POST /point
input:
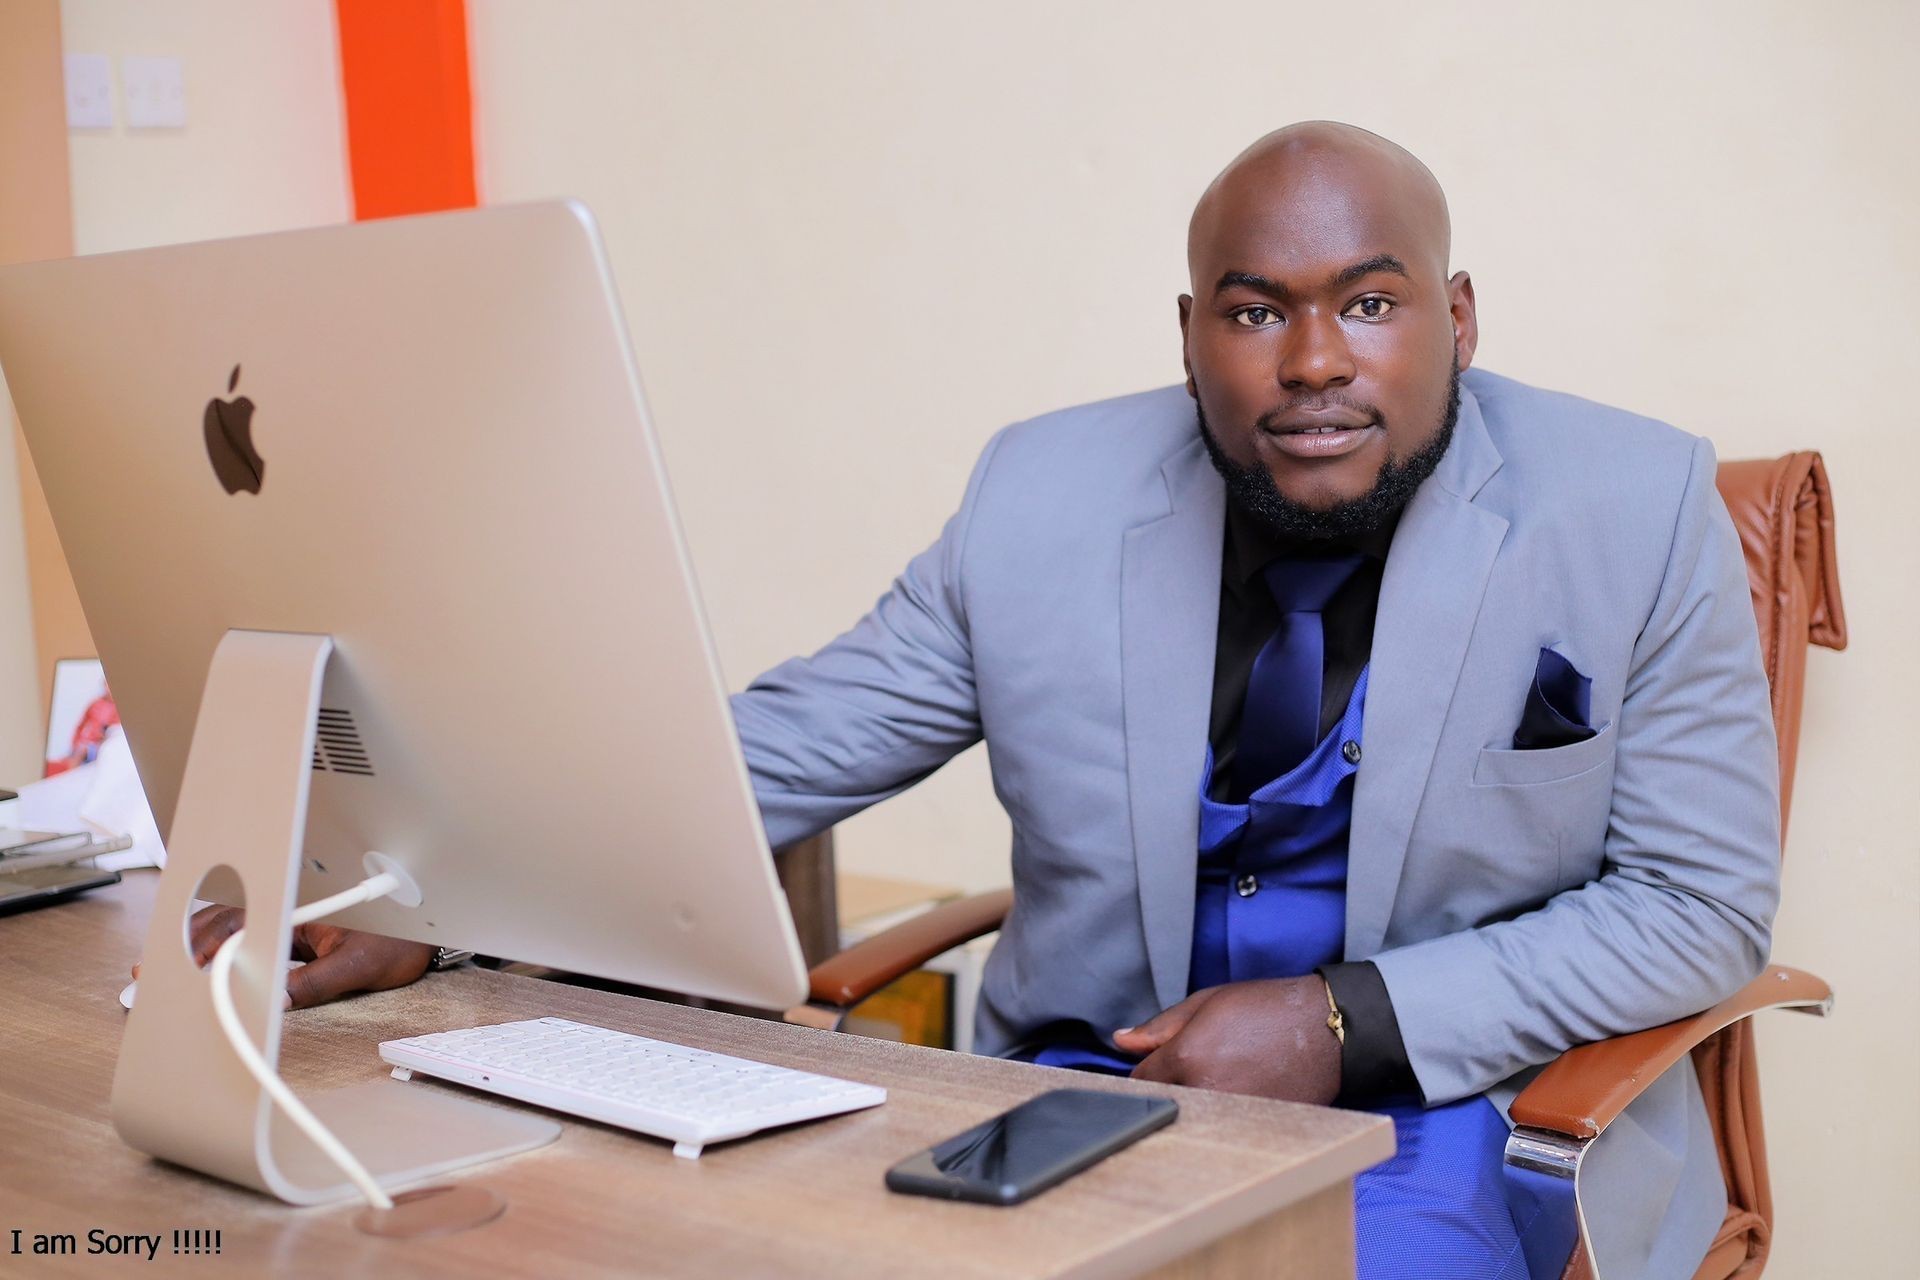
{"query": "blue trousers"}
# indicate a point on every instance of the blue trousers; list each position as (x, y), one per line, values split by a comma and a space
(1442, 1208)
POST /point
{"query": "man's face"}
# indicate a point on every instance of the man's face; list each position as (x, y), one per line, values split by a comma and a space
(1322, 336)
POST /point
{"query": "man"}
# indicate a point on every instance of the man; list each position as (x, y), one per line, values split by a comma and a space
(1372, 730)
(1466, 729)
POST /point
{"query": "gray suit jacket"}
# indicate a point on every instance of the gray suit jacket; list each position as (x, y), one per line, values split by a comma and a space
(1517, 903)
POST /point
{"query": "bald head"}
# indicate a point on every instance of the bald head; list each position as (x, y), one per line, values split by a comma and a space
(1323, 337)
(1334, 169)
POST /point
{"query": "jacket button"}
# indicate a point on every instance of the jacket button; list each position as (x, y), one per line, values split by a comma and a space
(1350, 751)
(1246, 886)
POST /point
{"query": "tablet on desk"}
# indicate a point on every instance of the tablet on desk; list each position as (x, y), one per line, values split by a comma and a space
(39, 886)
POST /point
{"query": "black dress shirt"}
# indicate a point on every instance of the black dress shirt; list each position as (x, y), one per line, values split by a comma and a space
(1373, 1060)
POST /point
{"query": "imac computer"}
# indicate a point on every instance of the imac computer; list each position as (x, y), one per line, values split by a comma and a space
(372, 535)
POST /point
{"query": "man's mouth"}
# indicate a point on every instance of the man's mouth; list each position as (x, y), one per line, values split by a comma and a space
(1319, 435)
(1309, 421)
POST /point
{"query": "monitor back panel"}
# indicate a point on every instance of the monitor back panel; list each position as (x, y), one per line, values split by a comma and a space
(457, 481)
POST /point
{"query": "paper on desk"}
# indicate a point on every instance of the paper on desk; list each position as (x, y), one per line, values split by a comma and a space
(103, 796)
(53, 804)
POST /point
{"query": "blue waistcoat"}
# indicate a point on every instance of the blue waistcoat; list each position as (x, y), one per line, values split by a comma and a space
(1272, 896)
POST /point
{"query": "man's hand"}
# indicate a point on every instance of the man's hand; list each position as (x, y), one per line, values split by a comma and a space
(1268, 1038)
(339, 961)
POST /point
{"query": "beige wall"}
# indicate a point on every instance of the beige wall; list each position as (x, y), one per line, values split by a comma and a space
(264, 147)
(853, 239)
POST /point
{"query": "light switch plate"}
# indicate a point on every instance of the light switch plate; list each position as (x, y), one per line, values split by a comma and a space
(156, 90)
(89, 91)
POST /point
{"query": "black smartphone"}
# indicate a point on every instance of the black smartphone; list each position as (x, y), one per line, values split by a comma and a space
(1041, 1142)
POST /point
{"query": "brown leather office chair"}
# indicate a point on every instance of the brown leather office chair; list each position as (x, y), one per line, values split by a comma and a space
(1784, 512)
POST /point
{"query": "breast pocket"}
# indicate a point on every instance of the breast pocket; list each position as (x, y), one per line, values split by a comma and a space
(1497, 768)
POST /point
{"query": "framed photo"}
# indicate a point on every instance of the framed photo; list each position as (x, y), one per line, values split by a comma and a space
(79, 714)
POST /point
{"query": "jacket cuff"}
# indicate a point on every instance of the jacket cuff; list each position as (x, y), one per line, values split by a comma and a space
(1373, 1057)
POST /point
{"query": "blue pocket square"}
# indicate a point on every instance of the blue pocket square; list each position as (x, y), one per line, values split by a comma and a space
(1559, 702)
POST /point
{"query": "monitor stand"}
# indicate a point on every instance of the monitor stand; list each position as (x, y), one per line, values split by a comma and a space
(179, 1091)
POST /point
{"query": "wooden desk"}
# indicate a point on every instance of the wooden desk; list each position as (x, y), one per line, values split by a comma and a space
(1238, 1186)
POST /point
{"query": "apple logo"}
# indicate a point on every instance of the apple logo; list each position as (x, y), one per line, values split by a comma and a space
(229, 427)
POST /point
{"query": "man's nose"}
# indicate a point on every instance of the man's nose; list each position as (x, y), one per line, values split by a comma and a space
(1315, 355)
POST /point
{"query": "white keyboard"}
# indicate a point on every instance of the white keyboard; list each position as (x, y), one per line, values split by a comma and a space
(668, 1090)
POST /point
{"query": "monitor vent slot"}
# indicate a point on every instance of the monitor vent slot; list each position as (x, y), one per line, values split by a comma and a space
(337, 747)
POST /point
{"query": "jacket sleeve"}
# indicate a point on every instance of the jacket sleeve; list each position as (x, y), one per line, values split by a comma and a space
(1681, 914)
(877, 709)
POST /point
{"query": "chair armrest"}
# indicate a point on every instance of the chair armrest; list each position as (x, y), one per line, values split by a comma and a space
(1582, 1090)
(846, 979)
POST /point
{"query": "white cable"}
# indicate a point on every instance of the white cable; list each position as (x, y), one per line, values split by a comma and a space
(366, 891)
(221, 975)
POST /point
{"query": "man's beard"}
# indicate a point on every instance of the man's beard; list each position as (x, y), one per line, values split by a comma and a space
(1253, 491)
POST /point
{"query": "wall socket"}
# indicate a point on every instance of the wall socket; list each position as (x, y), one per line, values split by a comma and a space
(156, 91)
(89, 80)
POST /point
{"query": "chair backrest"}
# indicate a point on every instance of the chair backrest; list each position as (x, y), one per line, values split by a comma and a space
(1783, 510)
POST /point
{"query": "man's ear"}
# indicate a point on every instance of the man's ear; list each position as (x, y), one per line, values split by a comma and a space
(1186, 360)
(1466, 317)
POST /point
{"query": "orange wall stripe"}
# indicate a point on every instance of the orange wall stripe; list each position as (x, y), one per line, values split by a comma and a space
(403, 71)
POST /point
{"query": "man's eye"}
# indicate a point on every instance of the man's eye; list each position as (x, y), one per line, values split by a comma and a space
(1370, 308)
(1255, 317)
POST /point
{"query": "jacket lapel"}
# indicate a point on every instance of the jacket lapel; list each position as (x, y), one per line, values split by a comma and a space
(1436, 574)
(1169, 614)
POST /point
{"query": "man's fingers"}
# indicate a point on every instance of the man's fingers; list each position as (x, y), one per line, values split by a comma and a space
(345, 961)
(326, 978)
(1161, 1067)
(1155, 1031)
(339, 961)
(1162, 1026)
(210, 927)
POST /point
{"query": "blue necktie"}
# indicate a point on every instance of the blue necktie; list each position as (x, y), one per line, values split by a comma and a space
(1280, 719)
